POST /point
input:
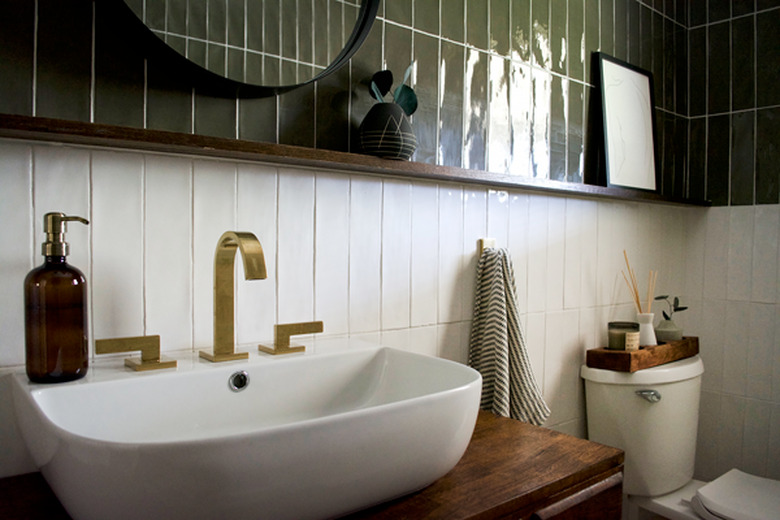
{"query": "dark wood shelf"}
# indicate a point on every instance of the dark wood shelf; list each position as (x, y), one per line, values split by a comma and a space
(95, 134)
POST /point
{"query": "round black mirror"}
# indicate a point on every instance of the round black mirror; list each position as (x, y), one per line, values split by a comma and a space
(254, 47)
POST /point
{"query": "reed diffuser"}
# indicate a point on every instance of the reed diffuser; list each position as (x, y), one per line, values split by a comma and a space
(644, 315)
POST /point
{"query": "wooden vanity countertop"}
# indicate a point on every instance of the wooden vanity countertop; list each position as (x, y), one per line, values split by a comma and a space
(509, 468)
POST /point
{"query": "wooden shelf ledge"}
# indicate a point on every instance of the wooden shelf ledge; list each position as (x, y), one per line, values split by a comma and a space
(95, 134)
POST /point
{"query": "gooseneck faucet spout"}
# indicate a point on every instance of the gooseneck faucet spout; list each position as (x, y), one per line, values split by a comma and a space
(224, 287)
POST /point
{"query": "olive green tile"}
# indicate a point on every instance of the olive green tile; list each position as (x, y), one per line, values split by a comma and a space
(366, 61)
(540, 22)
(697, 102)
(476, 106)
(272, 27)
(272, 68)
(176, 17)
(196, 52)
(289, 73)
(254, 68)
(235, 65)
(697, 158)
(321, 30)
(540, 131)
(558, 35)
(742, 7)
(154, 15)
(305, 51)
(63, 60)
(16, 56)
(718, 10)
(608, 27)
(425, 120)
(197, 20)
(718, 159)
(257, 119)
(296, 117)
(336, 31)
(399, 39)
(399, 11)
(236, 16)
(289, 48)
(646, 42)
(621, 29)
(592, 35)
(634, 35)
(719, 68)
(452, 20)
(520, 30)
(254, 26)
(450, 146)
(500, 26)
(217, 22)
(767, 58)
(215, 116)
(575, 143)
(477, 23)
(118, 72)
(681, 71)
(216, 56)
(576, 41)
(767, 155)
(168, 99)
(742, 158)
(426, 15)
(333, 125)
(681, 156)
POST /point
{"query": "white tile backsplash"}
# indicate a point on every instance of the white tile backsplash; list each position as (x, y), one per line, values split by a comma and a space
(393, 260)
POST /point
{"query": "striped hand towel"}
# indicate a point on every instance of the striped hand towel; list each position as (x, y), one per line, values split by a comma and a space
(497, 347)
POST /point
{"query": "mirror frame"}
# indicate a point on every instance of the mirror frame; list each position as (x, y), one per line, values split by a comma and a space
(629, 123)
(215, 84)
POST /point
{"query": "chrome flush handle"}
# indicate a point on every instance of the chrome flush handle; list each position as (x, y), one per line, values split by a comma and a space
(651, 396)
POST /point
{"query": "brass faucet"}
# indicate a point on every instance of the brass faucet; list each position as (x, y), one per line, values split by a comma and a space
(224, 297)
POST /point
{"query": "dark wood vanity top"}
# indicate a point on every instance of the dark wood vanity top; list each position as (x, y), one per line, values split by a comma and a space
(510, 469)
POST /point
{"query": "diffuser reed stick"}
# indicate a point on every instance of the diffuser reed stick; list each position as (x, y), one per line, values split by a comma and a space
(633, 286)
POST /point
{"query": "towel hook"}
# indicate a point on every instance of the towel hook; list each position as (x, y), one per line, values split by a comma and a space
(484, 243)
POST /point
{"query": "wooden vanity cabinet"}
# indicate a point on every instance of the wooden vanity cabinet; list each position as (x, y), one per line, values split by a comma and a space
(514, 470)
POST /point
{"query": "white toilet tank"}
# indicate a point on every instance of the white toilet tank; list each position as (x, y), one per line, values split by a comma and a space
(657, 436)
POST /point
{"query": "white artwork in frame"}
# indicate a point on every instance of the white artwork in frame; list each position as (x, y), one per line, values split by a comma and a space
(629, 124)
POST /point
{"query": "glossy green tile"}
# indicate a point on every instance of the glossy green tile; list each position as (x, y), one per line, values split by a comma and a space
(742, 58)
(289, 44)
(305, 35)
(718, 159)
(477, 23)
(272, 16)
(272, 71)
(592, 35)
(321, 56)
(257, 119)
(621, 29)
(236, 16)
(254, 68)
(540, 131)
(766, 4)
(540, 24)
(767, 155)
(196, 52)
(697, 13)
(426, 15)
(719, 68)
(576, 50)
(217, 22)
(646, 42)
(176, 17)
(521, 113)
(64, 60)
(558, 118)
(215, 116)
(154, 15)
(667, 50)
(235, 64)
(450, 145)
(366, 61)
(426, 86)
(520, 30)
(196, 20)
(681, 71)
(575, 143)
(500, 26)
(216, 58)
(333, 125)
(398, 51)
(768, 57)
(666, 151)
(452, 20)
(16, 57)
(680, 156)
(634, 35)
(742, 159)
(742, 7)
(476, 109)
(718, 10)
(558, 36)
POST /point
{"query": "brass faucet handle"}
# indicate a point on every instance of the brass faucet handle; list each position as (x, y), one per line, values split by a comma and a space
(282, 333)
(148, 345)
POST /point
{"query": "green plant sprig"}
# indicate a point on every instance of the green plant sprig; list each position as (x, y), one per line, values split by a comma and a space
(403, 95)
(673, 306)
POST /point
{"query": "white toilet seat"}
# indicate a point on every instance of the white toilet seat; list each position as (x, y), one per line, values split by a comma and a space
(739, 496)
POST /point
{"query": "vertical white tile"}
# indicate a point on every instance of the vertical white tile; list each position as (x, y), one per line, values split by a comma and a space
(537, 253)
(474, 228)
(536, 343)
(590, 327)
(424, 340)
(498, 217)
(365, 253)
(707, 441)
(295, 260)
(716, 244)
(19, 250)
(776, 360)
(118, 249)
(213, 212)
(588, 247)
(732, 428)
(712, 343)
(450, 253)
(256, 213)
(396, 254)
(761, 347)
(563, 358)
(61, 182)
(765, 253)
(331, 279)
(740, 251)
(609, 282)
(695, 252)
(453, 341)
(168, 250)
(735, 348)
(773, 447)
(556, 251)
(517, 242)
(425, 255)
(755, 437)
(573, 253)
(398, 338)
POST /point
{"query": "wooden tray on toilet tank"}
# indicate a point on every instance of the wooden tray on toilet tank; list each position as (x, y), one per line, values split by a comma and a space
(645, 357)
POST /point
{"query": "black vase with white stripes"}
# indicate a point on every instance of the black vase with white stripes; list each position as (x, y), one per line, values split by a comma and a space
(387, 132)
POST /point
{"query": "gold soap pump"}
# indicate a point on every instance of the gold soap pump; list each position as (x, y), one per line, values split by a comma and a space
(55, 305)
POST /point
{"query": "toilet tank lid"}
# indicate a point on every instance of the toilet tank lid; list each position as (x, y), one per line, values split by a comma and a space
(669, 373)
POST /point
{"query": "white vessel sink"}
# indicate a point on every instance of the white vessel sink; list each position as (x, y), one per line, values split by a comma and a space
(313, 436)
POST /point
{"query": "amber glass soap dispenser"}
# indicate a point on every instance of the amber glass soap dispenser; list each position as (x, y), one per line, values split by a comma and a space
(55, 305)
